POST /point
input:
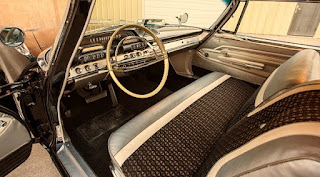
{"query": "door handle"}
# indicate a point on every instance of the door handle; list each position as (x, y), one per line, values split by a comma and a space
(254, 67)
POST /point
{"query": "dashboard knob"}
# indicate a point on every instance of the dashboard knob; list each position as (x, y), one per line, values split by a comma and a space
(96, 65)
(132, 55)
(87, 67)
(78, 70)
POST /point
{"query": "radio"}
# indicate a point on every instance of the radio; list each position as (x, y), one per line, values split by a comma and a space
(92, 56)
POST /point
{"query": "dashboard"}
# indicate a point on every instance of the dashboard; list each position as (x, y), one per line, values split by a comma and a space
(89, 64)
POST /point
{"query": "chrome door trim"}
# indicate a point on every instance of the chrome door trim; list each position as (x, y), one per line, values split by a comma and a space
(72, 161)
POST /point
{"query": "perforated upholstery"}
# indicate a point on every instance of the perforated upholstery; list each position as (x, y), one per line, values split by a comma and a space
(181, 146)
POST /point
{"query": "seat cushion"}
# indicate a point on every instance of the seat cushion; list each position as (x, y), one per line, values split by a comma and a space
(175, 136)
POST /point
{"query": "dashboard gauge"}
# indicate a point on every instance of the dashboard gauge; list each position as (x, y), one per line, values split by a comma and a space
(91, 49)
(103, 37)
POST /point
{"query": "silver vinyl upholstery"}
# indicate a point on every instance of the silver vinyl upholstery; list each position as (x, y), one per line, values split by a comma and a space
(301, 68)
(120, 138)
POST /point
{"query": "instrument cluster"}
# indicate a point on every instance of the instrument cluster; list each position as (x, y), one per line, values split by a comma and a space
(91, 58)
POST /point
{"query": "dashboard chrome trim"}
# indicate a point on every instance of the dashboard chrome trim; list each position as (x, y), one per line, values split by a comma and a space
(180, 44)
(79, 72)
(167, 34)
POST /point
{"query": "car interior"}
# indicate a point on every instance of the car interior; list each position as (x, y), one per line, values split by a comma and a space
(177, 100)
(226, 99)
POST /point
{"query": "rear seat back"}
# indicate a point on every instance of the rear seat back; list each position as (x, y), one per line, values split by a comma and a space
(303, 67)
(265, 143)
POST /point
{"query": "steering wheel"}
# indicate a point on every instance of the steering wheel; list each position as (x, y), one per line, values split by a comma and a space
(164, 57)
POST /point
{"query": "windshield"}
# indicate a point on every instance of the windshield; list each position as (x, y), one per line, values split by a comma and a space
(111, 14)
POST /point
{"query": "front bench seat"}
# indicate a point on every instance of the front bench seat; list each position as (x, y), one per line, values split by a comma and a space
(195, 130)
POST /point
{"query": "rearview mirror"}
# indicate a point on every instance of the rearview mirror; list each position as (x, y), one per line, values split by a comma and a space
(12, 36)
(184, 18)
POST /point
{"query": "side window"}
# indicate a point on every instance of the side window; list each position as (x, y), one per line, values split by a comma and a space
(282, 21)
(232, 26)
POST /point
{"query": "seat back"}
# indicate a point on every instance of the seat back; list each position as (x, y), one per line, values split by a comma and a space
(281, 135)
(301, 68)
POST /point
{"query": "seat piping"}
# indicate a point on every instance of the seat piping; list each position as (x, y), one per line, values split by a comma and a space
(143, 136)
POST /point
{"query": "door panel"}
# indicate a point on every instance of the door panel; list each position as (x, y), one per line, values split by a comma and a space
(15, 142)
(252, 61)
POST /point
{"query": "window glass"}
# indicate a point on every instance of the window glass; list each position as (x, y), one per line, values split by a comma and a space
(201, 13)
(232, 22)
(283, 21)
